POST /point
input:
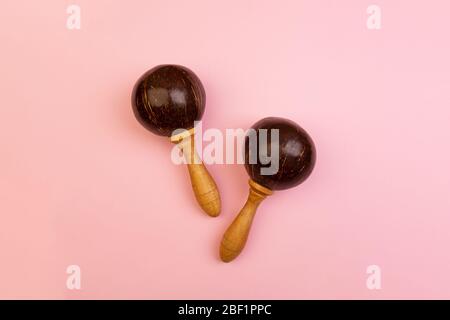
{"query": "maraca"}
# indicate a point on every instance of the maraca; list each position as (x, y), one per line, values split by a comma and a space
(171, 97)
(295, 154)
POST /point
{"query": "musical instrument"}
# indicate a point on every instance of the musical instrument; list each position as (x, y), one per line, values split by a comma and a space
(292, 149)
(168, 98)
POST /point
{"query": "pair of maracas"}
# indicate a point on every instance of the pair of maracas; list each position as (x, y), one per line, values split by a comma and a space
(168, 98)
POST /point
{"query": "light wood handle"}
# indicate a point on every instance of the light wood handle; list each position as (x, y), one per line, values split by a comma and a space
(235, 237)
(203, 185)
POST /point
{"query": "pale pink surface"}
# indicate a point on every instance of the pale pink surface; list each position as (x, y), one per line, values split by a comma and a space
(83, 183)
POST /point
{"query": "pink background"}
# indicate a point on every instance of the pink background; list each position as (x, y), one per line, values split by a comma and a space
(81, 182)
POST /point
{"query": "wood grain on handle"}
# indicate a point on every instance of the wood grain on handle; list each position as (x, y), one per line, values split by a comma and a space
(205, 189)
(235, 237)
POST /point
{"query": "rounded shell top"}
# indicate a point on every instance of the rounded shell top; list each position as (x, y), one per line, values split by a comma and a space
(296, 153)
(168, 97)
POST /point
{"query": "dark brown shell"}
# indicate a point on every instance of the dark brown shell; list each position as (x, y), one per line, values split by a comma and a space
(297, 154)
(168, 97)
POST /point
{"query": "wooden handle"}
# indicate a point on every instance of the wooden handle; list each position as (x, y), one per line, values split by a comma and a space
(235, 237)
(205, 189)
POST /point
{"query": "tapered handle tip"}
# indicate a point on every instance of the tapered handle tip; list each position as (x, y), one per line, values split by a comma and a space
(227, 254)
(210, 202)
